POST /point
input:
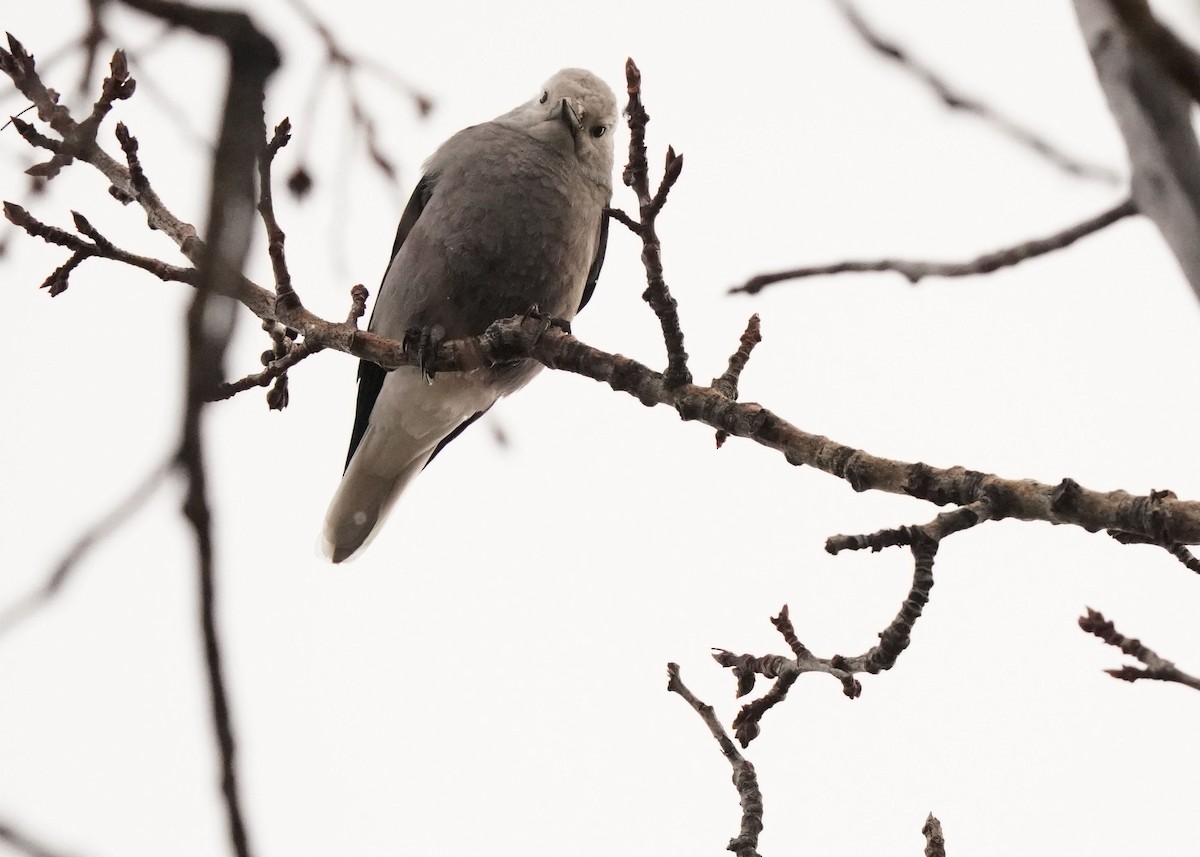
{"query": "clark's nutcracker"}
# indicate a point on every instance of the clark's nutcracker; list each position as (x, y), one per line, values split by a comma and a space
(509, 216)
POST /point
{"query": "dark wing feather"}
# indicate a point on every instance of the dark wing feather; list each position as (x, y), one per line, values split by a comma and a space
(461, 428)
(416, 204)
(597, 262)
(371, 375)
(370, 382)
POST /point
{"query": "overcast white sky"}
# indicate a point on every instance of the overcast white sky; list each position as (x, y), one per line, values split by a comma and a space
(490, 676)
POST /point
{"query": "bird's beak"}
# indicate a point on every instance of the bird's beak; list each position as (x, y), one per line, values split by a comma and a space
(571, 117)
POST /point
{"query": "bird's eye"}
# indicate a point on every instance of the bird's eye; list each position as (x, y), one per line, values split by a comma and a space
(598, 131)
(545, 97)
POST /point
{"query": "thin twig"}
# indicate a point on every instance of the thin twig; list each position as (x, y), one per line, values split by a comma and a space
(624, 219)
(285, 293)
(274, 369)
(358, 304)
(637, 176)
(340, 56)
(129, 145)
(945, 524)
(100, 247)
(893, 640)
(957, 100)
(745, 844)
(94, 36)
(1157, 668)
(915, 271)
(727, 383)
(1175, 549)
(117, 86)
(19, 65)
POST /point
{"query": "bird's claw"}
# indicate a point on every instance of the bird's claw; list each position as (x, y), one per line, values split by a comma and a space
(548, 321)
(424, 341)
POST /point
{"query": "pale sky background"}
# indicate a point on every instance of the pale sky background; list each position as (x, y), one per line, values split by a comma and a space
(490, 677)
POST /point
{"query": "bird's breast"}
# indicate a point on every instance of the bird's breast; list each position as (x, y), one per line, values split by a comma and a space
(511, 231)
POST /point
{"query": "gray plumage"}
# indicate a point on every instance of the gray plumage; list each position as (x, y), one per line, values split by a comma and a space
(509, 216)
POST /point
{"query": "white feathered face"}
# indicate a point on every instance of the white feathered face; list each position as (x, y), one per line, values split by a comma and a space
(574, 110)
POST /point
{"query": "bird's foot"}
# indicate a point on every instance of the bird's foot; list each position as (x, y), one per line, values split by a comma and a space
(424, 342)
(548, 320)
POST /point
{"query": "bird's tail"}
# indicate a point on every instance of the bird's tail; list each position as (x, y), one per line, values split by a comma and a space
(381, 468)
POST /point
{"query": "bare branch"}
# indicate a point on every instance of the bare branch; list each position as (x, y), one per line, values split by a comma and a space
(129, 145)
(624, 219)
(915, 271)
(637, 176)
(955, 99)
(1179, 551)
(100, 247)
(945, 524)
(1157, 669)
(727, 384)
(275, 369)
(893, 640)
(358, 304)
(117, 86)
(745, 844)
(339, 56)
(31, 136)
(19, 66)
(284, 291)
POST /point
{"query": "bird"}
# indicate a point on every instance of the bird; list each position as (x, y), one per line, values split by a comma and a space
(509, 217)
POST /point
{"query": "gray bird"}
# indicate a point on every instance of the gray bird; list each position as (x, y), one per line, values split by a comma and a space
(508, 217)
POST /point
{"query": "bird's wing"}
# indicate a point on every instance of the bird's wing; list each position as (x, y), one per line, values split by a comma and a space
(597, 262)
(416, 204)
(371, 375)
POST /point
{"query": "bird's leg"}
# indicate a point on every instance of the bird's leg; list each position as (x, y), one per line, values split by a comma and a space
(424, 341)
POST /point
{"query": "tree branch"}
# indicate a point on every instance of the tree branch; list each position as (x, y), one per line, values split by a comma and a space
(1176, 57)
(955, 99)
(915, 271)
(637, 176)
(745, 844)
(1157, 669)
(253, 58)
(1154, 115)
(893, 640)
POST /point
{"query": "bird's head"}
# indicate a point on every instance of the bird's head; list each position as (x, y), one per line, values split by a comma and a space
(576, 112)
